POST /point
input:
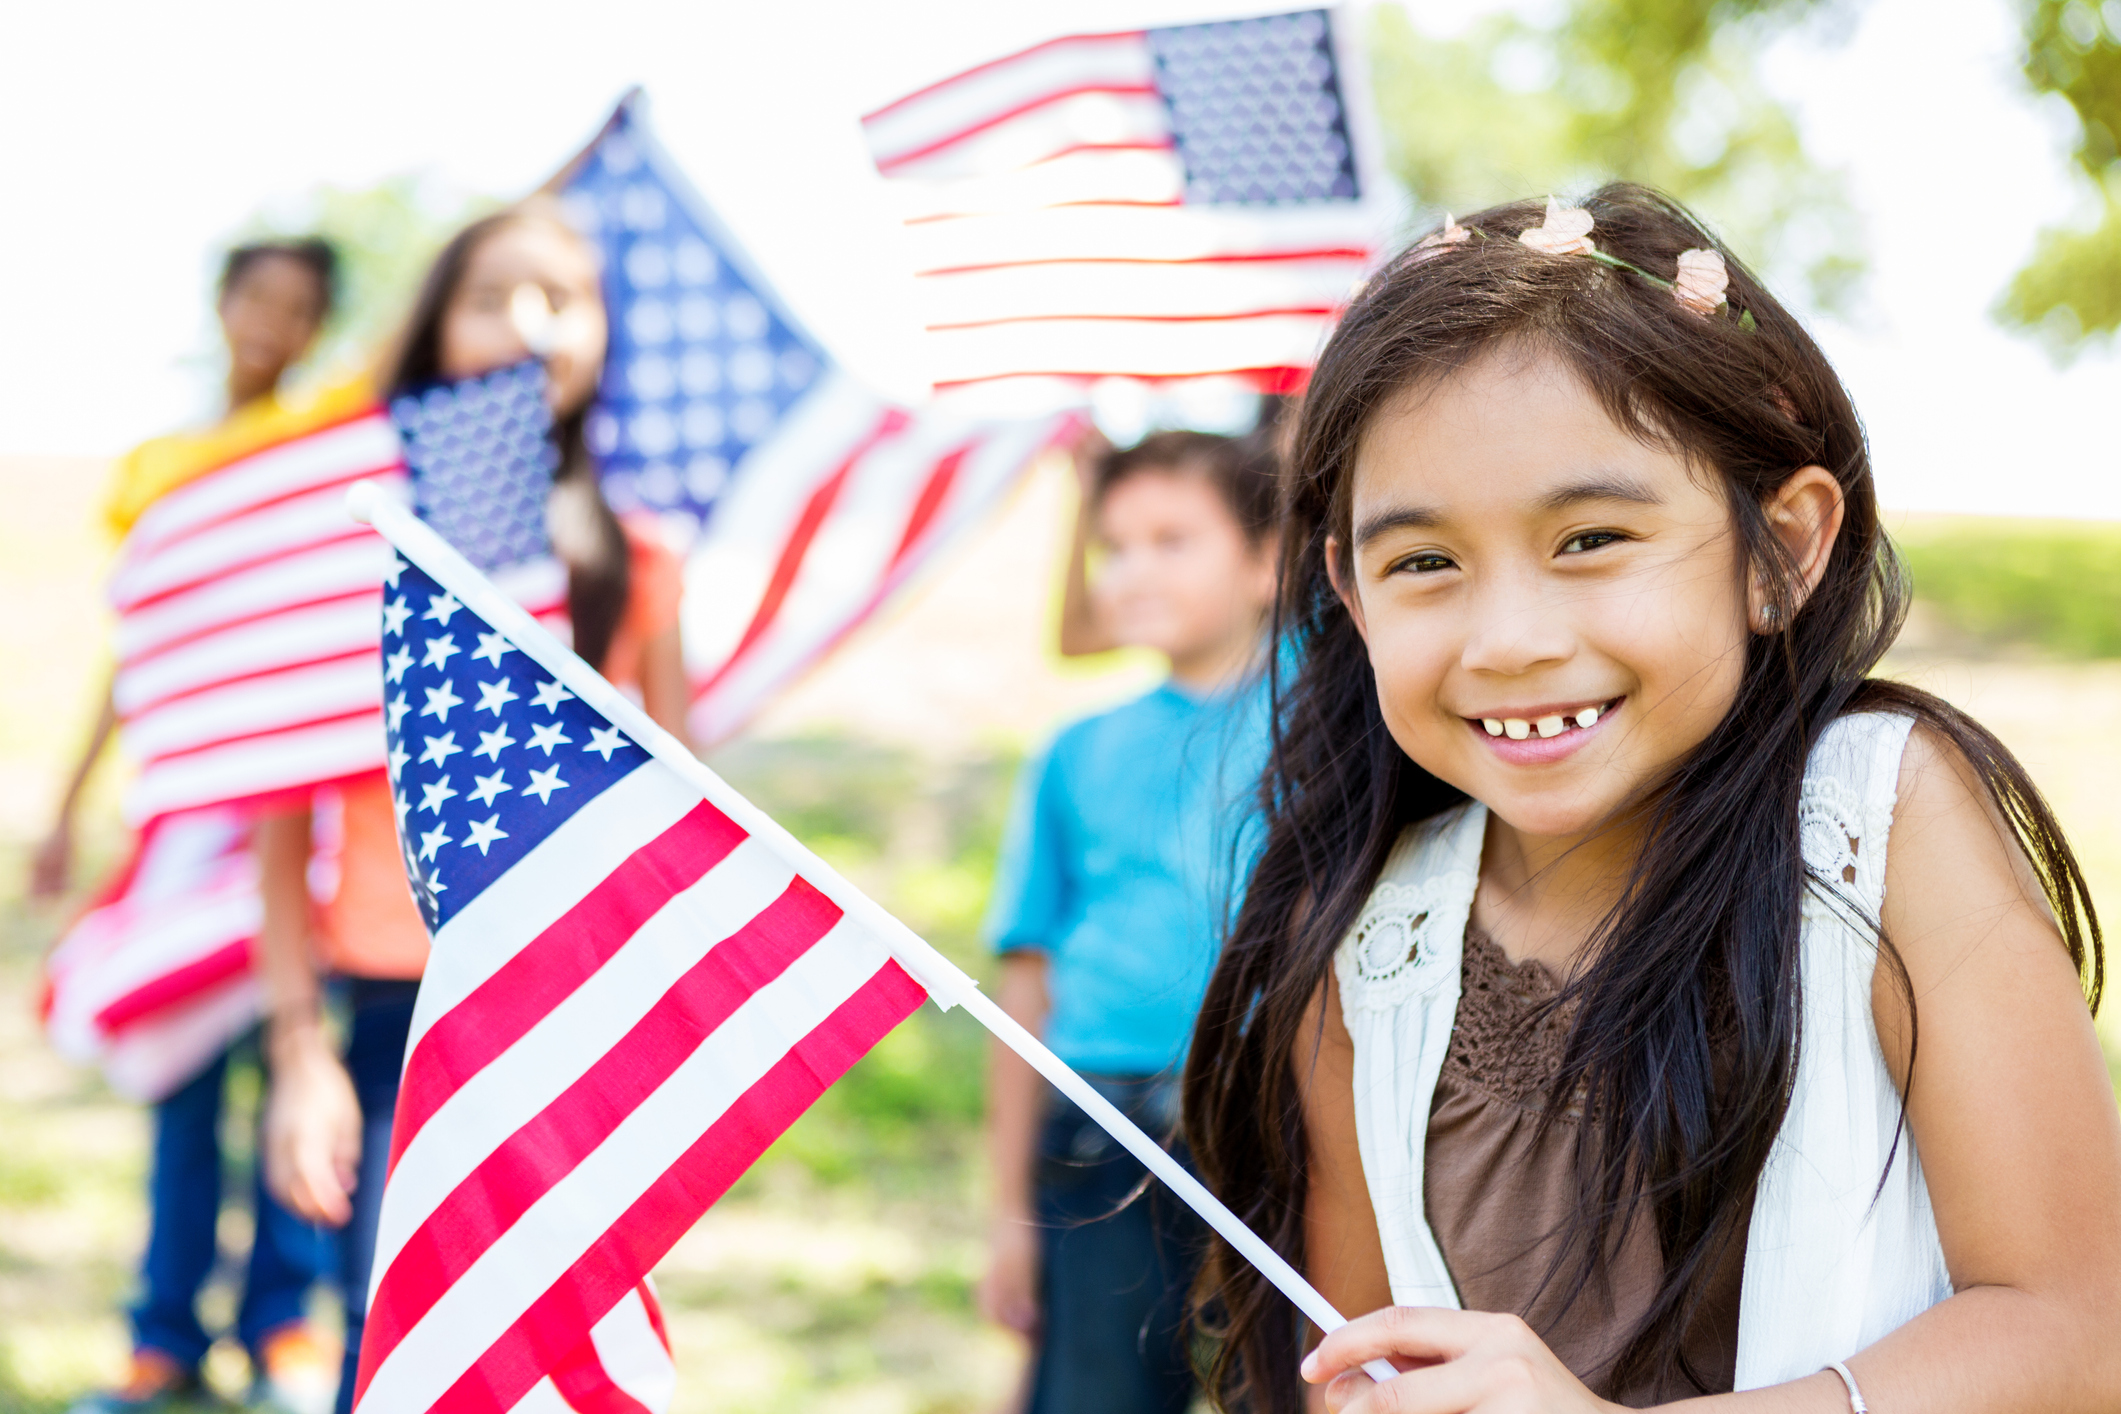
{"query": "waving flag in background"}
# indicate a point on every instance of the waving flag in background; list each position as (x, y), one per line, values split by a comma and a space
(249, 671)
(1196, 199)
(806, 499)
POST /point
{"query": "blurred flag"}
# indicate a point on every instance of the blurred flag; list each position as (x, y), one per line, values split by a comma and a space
(249, 671)
(1160, 203)
(631, 994)
(806, 500)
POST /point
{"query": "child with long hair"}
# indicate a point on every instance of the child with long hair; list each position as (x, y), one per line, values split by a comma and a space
(1635, 1001)
(328, 1117)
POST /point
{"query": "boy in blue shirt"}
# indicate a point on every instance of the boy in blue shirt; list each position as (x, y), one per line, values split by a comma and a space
(1122, 854)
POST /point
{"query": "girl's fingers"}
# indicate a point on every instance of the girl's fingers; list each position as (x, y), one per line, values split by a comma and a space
(1453, 1388)
(1420, 1334)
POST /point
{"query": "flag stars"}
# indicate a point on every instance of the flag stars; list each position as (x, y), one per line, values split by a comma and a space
(490, 743)
(491, 647)
(550, 695)
(543, 784)
(440, 651)
(397, 567)
(439, 701)
(394, 615)
(484, 833)
(439, 749)
(432, 840)
(435, 794)
(398, 757)
(395, 665)
(441, 606)
(397, 709)
(548, 735)
(493, 696)
(604, 741)
(489, 787)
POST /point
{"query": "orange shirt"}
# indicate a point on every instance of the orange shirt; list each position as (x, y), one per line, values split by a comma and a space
(371, 927)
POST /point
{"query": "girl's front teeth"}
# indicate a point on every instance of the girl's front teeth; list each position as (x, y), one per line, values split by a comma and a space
(1518, 729)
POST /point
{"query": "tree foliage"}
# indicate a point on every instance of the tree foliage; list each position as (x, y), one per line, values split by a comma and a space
(2071, 288)
(1659, 91)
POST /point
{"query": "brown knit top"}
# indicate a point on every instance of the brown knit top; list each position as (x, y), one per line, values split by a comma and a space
(1498, 1192)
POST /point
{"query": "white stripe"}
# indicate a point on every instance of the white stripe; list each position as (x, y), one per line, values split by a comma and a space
(957, 103)
(633, 1355)
(842, 580)
(1033, 291)
(544, 1398)
(169, 939)
(305, 520)
(1156, 176)
(331, 570)
(513, 1273)
(509, 1093)
(728, 570)
(1044, 132)
(295, 637)
(256, 705)
(1141, 233)
(1130, 347)
(368, 444)
(547, 881)
(256, 765)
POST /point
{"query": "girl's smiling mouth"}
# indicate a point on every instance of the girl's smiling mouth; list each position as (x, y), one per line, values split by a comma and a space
(1536, 735)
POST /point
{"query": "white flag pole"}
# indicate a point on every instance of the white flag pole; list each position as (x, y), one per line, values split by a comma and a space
(947, 983)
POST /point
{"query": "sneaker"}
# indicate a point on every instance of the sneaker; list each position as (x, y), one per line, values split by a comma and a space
(155, 1383)
(297, 1373)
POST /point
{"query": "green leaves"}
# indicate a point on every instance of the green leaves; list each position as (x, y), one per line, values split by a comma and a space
(2070, 290)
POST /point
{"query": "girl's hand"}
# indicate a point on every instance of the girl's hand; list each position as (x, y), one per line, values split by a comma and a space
(312, 1131)
(1454, 1362)
(1008, 1293)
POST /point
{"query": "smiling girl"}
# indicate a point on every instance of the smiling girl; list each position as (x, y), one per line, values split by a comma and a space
(1635, 1002)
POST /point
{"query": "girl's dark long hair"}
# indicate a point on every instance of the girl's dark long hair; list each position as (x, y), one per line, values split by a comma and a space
(597, 589)
(1706, 937)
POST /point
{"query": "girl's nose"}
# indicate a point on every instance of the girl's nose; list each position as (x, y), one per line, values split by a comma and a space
(1514, 630)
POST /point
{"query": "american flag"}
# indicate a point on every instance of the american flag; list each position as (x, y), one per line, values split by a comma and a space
(1171, 202)
(807, 501)
(637, 983)
(249, 671)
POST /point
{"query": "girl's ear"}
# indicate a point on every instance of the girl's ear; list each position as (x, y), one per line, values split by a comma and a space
(1805, 514)
(1341, 588)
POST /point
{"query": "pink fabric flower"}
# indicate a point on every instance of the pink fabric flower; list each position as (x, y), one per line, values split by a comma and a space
(1566, 231)
(1451, 234)
(1702, 281)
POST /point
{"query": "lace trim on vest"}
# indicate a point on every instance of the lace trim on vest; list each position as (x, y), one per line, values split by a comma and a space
(1839, 831)
(1394, 951)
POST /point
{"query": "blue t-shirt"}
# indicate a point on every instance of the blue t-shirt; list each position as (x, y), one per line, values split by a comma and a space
(1128, 842)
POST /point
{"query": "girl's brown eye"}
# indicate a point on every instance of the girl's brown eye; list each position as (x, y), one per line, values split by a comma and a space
(1424, 564)
(1589, 540)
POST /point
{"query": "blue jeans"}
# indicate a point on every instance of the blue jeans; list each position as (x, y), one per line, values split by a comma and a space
(375, 1059)
(1113, 1278)
(184, 1196)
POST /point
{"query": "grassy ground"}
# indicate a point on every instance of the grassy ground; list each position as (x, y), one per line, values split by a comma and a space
(837, 1276)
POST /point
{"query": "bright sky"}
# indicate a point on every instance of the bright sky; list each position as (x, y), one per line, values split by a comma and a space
(138, 136)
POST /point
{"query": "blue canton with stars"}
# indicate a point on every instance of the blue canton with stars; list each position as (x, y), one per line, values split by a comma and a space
(488, 754)
(1256, 109)
(480, 454)
(704, 361)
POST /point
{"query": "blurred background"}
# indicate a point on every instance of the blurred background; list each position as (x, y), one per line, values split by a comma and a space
(1933, 183)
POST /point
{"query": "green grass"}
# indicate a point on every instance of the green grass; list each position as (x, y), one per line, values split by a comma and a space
(2051, 586)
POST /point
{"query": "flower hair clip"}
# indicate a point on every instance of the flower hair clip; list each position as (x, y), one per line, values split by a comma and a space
(1703, 282)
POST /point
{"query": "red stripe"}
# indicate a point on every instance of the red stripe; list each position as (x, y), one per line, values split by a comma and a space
(1164, 205)
(600, 1278)
(1354, 253)
(587, 1387)
(928, 503)
(182, 694)
(156, 650)
(464, 1040)
(797, 546)
(1320, 311)
(1275, 378)
(654, 1307)
(263, 503)
(219, 743)
(493, 1197)
(888, 165)
(179, 984)
(222, 571)
(959, 77)
(207, 478)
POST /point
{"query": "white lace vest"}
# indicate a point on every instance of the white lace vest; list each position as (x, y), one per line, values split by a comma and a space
(1833, 1261)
